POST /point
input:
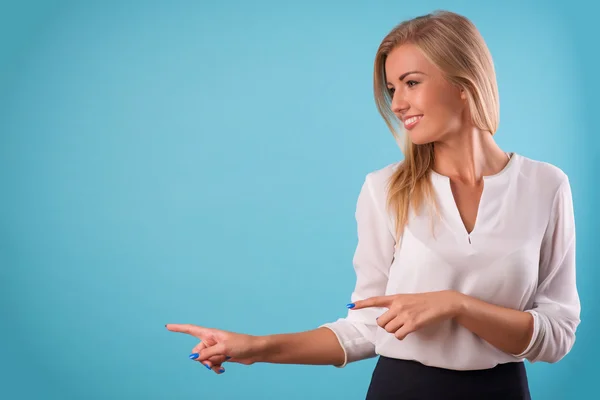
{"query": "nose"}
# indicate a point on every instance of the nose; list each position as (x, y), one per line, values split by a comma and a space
(399, 104)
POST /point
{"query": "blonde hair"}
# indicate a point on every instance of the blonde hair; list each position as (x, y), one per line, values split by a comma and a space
(452, 43)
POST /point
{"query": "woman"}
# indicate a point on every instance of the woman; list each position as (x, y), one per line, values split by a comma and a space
(465, 260)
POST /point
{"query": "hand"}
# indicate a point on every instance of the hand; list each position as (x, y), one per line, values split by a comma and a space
(409, 312)
(217, 346)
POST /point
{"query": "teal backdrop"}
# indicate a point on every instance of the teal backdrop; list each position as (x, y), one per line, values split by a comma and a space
(199, 162)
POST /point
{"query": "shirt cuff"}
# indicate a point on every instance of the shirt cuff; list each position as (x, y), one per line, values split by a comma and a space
(341, 344)
(534, 336)
(355, 338)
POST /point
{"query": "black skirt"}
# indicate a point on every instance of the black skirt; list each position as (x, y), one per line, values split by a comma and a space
(411, 380)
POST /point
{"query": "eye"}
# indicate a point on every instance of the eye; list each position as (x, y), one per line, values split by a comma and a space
(410, 84)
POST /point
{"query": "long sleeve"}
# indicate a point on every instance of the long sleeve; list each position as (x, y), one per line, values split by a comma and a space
(372, 259)
(556, 306)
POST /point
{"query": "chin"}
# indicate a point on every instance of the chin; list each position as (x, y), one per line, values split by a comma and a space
(421, 139)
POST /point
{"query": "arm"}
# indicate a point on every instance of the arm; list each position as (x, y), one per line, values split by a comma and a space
(546, 332)
(507, 329)
(316, 347)
(372, 260)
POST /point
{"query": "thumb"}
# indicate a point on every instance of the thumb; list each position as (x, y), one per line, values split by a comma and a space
(216, 350)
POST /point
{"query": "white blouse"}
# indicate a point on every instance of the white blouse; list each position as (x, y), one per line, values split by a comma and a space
(520, 255)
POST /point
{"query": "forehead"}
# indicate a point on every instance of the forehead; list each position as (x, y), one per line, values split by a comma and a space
(404, 58)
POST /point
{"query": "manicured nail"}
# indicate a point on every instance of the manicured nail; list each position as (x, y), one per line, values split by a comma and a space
(227, 358)
(206, 365)
(193, 356)
(221, 370)
(351, 305)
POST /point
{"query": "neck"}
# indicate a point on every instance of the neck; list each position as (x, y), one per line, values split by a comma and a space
(469, 156)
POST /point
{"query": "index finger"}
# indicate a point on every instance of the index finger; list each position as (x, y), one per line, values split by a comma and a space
(377, 301)
(194, 330)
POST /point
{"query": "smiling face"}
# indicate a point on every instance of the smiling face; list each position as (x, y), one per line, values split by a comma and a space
(418, 88)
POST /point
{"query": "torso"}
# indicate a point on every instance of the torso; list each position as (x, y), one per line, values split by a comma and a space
(486, 245)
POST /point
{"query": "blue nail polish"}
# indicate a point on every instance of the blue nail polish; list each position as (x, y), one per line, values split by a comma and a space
(193, 356)
(221, 370)
(207, 367)
(351, 305)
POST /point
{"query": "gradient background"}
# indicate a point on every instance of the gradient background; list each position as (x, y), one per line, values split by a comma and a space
(188, 162)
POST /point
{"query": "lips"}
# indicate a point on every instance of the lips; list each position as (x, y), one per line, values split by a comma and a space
(412, 121)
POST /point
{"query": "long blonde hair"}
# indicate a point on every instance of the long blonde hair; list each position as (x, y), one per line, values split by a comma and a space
(452, 43)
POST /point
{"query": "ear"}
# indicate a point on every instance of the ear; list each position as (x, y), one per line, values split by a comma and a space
(463, 95)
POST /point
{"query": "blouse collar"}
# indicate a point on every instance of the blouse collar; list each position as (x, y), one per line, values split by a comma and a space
(502, 176)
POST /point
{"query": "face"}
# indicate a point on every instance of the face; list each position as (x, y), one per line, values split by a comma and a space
(439, 105)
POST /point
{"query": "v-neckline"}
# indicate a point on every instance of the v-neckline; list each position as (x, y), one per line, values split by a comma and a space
(460, 217)
(453, 206)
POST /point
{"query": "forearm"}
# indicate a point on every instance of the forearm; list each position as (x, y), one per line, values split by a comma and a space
(507, 329)
(315, 347)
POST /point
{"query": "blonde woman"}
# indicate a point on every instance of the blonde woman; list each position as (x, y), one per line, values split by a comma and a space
(465, 262)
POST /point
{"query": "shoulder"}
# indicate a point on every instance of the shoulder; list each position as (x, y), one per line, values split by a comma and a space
(375, 186)
(542, 172)
(541, 181)
(374, 192)
(379, 178)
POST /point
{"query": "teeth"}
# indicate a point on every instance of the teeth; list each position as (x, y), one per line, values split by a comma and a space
(411, 120)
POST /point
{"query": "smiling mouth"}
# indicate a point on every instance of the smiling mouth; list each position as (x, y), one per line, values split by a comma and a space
(412, 121)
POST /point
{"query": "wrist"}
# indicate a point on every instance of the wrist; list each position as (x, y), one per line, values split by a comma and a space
(262, 346)
(458, 304)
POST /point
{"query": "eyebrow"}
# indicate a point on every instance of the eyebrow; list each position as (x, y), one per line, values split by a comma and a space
(407, 73)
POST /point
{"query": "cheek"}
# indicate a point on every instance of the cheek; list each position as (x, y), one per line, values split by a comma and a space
(449, 104)
(443, 113)
(440, 106)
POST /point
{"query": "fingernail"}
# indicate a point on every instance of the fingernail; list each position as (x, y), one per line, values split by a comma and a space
(351, 305)
(206, 365)
(227, 358)
(221, 370)
(193, 356)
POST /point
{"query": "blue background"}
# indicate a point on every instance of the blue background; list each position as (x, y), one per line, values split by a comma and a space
(199, 162)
